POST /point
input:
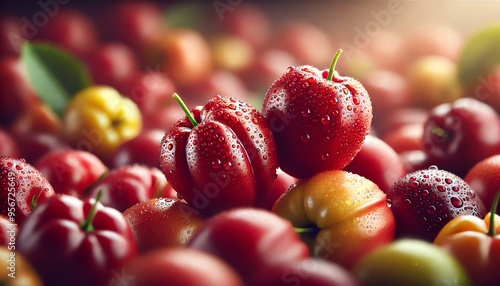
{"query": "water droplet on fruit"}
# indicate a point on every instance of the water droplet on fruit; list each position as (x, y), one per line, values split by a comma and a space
(345, 90)
(349, 107)
(227, 165)
(355, 100)
(305, 138)
(413, 178)
(232, 106)
(433, 167)
(425, 193)
(456, 202)
(406, 203)
(306, 112)
(431, 210)
(9, 164)
(348, 201)
(472, 194)
(325, 120)
(441, 188)
(325, 156)
(448, 180)
(171, 172)
(19, 167)
(389, 203)
(216, 164)
(356, 219)
(415, 184)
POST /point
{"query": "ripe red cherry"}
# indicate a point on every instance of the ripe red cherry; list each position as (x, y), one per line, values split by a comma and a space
(71, 171)
(425, 200)
(458, 135)
(319, 119)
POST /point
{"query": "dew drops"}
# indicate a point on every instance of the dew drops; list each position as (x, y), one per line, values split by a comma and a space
(325, 120)
(216, 164)
(425, 193)
(433, 167)
(448, 181)
(227, 165)
(305, 138)
(389, 203)
(407, 203)
(456, 202)
(355, 100)
(9, 164)
(441, 188)
(455, 189)
(325, 156)
(306, 112)
(349, 202)
(431, 210)
(415, 184)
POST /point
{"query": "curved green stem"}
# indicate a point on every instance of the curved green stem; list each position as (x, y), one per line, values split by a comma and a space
(493, 210)
(87, 224)
(34, 200)
(185, 109)
(334, 62)
(440, 132)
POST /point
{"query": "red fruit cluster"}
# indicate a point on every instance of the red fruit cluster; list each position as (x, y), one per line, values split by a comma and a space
(275, 170)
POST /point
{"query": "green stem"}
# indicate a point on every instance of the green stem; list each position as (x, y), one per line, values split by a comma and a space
(334, 62)
(87, 224)
(493, 210)
(34, 201)
(186, 110)
(440, 132)
(304, 229)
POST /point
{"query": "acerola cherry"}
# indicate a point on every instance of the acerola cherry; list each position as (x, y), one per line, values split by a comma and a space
(319, 119)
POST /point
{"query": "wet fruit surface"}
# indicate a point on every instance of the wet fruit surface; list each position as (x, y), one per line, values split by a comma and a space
(318, 124)
(424, 201)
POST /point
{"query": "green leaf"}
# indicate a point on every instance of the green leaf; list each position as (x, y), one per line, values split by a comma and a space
(55, 75)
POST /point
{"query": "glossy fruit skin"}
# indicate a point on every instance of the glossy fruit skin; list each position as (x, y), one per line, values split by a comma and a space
(349, 212)
(317, 124)
(143, 149)
(483, 178)
(409, 262)
(20, 184)
(162, 222)
(227, 160)
(71, 171)
(310, 271)
(98, 119)
(377, 162)
(261, 237)
(128, 185)
(54, 242)
(466, 239)
(424, 201)
(181, 266)
(457, 135)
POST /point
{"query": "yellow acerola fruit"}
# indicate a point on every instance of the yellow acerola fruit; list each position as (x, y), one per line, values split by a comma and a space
(99, 119)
